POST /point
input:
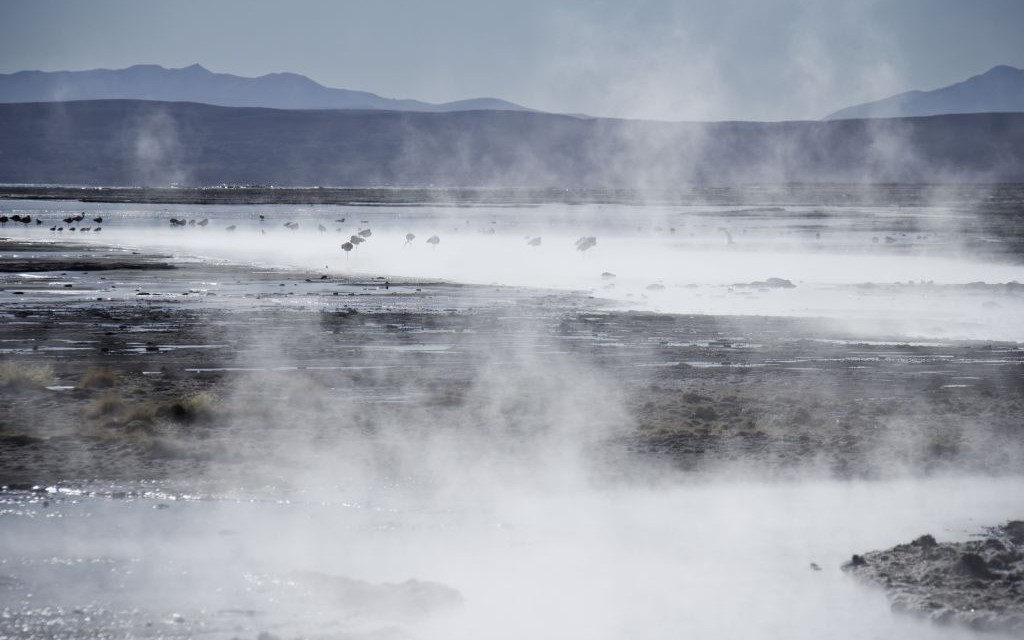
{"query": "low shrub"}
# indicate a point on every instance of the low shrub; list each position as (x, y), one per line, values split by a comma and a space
(24, 375)
(198, 407)
(98, 378)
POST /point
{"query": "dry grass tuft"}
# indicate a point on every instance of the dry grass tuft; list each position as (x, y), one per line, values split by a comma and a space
(198, 407)
(98, 378)
(22, 375)
(107, 404)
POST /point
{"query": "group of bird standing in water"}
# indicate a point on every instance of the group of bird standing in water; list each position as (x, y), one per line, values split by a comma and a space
(582, 244)
(356, 239)
(70, 221)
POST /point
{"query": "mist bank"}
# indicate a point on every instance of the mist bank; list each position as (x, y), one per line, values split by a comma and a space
(125, 142)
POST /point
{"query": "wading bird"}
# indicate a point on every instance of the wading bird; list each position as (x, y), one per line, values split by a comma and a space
(409, 237)
(434, 240)
(585, 243)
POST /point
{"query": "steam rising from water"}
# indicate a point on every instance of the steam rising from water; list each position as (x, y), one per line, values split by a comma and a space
(501, 499)
(885, 270)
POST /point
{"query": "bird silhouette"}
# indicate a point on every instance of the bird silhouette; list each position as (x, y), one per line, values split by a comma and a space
(585, 243)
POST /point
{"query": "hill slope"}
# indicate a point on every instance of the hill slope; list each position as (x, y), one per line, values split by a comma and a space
(152, 143)
(999, 90)
(196, 84)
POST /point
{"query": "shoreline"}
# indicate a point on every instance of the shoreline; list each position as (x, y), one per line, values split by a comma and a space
(774, 394)
(791, 194)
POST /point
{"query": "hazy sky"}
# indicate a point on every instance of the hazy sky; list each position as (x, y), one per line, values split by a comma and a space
(663, 59)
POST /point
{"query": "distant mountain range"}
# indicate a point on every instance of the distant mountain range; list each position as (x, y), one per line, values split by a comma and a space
(197, 84)
(998, 90)
(150, 126)
(147, 143)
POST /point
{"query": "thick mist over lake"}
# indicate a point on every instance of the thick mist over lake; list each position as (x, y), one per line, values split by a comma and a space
(894, 271)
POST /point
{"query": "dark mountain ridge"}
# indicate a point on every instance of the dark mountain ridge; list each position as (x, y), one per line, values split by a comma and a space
(123, 142)
(197, 84)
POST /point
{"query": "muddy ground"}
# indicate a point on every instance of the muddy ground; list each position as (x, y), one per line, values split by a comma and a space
(116, 365)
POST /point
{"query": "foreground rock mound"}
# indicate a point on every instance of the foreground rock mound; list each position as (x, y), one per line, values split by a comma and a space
(978, 584)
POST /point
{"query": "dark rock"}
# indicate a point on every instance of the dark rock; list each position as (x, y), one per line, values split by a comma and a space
(974, 584)
(992, 544)
(974, 565)
(1015, 531)
(853, 563)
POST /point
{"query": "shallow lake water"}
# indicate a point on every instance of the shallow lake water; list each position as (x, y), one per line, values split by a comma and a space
(913, 271)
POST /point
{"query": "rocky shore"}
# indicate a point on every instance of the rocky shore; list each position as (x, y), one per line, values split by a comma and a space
(978, 584)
